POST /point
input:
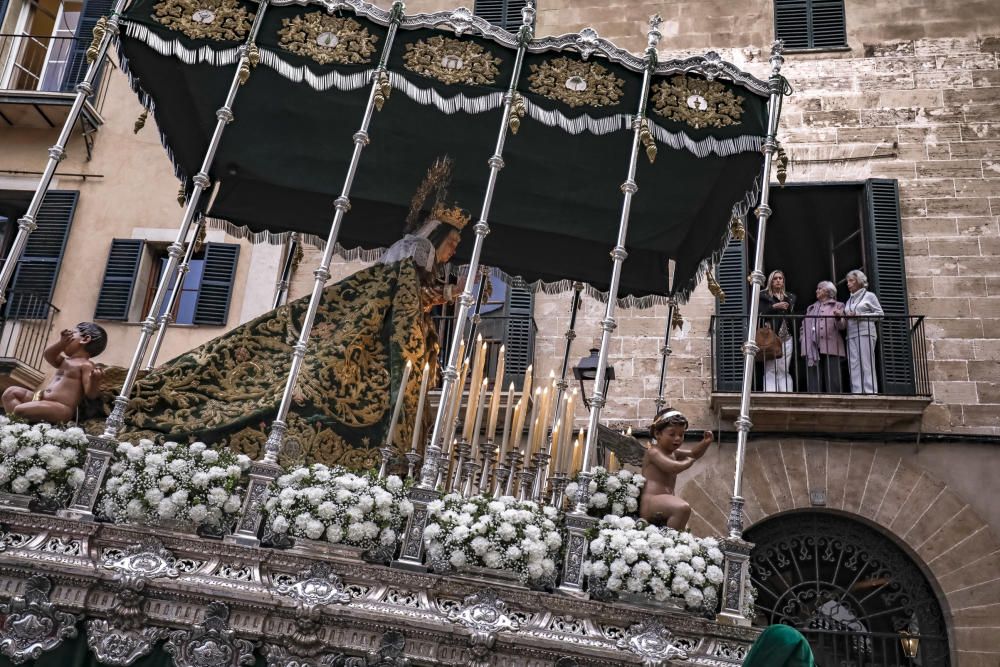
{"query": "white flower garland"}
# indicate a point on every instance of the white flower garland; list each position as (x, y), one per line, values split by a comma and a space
(333, 504)
(611, 493)
(659, 563)
(152, 482)
(41, 460)
(502, 533)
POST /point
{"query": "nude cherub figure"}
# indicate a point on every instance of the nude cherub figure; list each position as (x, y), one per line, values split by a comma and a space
(76, 377)
(664, 459)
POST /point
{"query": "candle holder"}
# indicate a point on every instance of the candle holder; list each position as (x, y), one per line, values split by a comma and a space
(540, 459)
(488, 451)
(513, 463)
(527, 479)
(464, 451)
(387, 453)
(412, 459)
(469, 471)
(557, 489)
(430, 471)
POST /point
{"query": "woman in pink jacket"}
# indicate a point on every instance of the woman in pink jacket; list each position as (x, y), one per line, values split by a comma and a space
(821, 341)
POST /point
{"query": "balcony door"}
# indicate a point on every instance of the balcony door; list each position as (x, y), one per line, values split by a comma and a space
(39, 48)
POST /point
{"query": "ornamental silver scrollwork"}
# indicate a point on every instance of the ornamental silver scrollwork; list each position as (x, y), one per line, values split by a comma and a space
(138, 565)
(118, 646)
(31, 623)
(652, 643)
(484, 614)
(210, 643)
(316, 587)
(389, 652)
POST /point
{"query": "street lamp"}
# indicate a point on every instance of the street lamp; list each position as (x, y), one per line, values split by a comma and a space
(909, 639)
(586, 371)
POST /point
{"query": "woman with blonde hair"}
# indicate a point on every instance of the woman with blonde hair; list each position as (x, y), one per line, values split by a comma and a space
(775, 305)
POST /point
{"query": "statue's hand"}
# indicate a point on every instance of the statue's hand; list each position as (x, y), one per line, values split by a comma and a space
(707, 438)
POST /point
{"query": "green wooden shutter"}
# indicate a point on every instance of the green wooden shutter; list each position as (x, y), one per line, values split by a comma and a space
(519, 333)
(212, 306)
(731, 322)
(38, 267)
(501, 13)
(120, 274)
(76, 66)
(887, 278)
(810, 24)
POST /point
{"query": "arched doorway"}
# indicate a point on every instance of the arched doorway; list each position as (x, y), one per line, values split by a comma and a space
(857, 596)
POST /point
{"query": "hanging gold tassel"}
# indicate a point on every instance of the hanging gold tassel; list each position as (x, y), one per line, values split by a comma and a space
(199, 239)
(181, 198)
(382, 90)
(736, 229)
(297, 257)
(140, 122)
(782, 165)
(714, 287)
(647, 140)
(677, 321)
(251, 60)
(517, 111)
(95, 42)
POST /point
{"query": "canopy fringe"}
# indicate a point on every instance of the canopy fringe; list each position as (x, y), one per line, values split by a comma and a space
(448, 105)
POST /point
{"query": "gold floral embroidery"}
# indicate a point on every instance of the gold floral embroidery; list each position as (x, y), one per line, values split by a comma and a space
(576, 83)
(697, 102)
(452, 61)
(327, 39)
(221, 20)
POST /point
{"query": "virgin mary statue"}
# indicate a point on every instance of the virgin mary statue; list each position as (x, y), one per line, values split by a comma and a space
(367, 327)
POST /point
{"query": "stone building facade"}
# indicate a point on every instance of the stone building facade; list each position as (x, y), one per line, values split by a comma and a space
(914, 97)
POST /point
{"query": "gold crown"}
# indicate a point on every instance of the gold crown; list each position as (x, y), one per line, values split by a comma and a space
(451, 215)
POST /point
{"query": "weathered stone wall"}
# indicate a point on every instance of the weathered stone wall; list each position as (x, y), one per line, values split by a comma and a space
(926, 499)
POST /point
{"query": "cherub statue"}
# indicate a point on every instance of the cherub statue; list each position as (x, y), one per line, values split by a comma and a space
(76, 378)
(663, 460)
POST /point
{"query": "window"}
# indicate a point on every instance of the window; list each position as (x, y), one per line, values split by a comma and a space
(44, 43)
(501, 13)
(820, 232)
(133, 272)
(810, 24)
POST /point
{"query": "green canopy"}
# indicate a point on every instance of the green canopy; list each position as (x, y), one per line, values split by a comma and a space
(557, 205)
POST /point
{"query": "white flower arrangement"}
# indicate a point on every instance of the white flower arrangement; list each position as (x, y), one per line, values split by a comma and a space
(333, 504)
(520, 537)
(151, 483)
(658, 563)
(41, 460)
(611, 493)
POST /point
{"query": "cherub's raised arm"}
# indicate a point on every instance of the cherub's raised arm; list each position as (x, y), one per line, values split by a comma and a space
(698, 450)
(666, 464)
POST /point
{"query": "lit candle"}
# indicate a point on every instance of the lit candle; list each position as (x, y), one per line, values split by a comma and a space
(479, 420)
(526, 387)
(507, 421)
(417, 422)
(477, 376)
(491, 428)
(522, 417)
(456, 404)
(533, 422)
(567, 432)
(400, 397)
(544, 413)
(577, 455)
(554, 451)
(456, 395)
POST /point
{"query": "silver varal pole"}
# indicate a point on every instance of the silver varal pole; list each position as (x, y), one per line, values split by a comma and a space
(100, 450)
(425, 491)
(577, 521)
(735, 549)
(284, 281)
(104, 32)
(665, 352)
(168, 313)
(265, 470)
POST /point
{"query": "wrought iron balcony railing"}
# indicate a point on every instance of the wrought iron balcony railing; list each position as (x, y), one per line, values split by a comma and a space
(25, 328)
(884, 356)
(47, 64)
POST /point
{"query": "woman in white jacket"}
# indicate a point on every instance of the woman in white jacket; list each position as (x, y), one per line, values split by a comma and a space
(862, 333)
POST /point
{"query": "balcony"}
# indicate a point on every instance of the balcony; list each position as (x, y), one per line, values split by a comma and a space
(38, 78)
(25, 327)
(888, 389)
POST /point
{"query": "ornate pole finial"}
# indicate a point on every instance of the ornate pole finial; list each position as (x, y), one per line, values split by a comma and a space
(528, 13)
(653, 35)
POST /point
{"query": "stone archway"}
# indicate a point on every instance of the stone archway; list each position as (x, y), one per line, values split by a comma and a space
(956, 549)
(850, 589)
